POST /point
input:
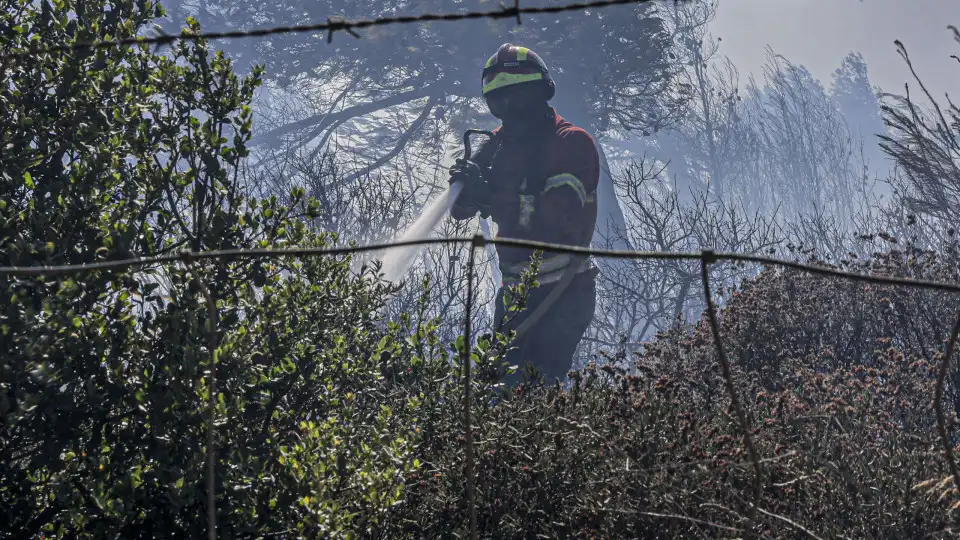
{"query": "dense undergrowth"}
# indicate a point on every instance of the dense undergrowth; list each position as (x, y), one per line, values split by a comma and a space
(329, 424)
(838, 394)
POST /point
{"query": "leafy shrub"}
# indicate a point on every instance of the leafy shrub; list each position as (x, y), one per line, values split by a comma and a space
(106, 374)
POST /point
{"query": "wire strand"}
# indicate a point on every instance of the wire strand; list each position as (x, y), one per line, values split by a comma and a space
(260, 253)
(332, 25)
(705, 263)
(213, 345)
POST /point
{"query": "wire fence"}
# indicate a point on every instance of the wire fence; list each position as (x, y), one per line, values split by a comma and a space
(706, 258)
(331, 26)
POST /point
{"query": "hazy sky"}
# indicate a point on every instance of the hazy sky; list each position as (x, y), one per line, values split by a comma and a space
(818, 33)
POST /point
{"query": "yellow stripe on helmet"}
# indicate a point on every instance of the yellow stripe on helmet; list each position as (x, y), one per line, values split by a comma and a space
(522, 53)
(507, 79)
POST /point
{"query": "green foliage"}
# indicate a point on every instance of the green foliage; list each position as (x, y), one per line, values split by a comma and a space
(105, 376)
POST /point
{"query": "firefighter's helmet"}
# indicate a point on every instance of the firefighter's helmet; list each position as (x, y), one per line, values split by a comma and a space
(512, 65)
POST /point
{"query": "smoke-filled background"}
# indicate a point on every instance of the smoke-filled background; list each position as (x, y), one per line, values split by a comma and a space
(745, 126)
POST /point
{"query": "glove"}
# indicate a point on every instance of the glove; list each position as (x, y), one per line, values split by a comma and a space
(467, 172)
(475, 188)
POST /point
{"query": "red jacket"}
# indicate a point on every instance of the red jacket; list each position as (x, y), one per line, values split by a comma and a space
(542, 187)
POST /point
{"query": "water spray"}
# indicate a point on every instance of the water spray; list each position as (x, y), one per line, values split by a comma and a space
(397, 261)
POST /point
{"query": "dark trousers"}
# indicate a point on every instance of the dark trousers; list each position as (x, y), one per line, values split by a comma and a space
(549, 345)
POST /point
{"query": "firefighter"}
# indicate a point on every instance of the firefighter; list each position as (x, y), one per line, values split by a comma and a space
(537, 179)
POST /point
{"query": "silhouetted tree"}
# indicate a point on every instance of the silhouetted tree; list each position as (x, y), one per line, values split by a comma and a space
(858, 101)
(643, 296)
(925, 142)
(705, 148)
(612, 68)
(806, 162)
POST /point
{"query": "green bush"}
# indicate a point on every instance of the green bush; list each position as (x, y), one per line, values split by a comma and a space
(105, 374)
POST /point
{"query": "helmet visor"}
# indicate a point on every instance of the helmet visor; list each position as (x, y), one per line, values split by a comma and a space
(499, 78)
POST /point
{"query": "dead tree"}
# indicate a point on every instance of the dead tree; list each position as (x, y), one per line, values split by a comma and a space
(645, 296)
(925, 143)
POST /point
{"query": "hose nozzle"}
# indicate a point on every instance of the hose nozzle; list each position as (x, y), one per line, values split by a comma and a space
(467, 150)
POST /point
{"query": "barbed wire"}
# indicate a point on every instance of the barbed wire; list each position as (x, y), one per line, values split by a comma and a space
(331, 26)
(478, 241)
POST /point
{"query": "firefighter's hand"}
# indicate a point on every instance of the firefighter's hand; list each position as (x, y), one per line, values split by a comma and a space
(467, 172)
(470, 176)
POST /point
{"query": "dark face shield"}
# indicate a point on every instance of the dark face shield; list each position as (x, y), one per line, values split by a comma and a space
(502, 105)
(515, 102)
